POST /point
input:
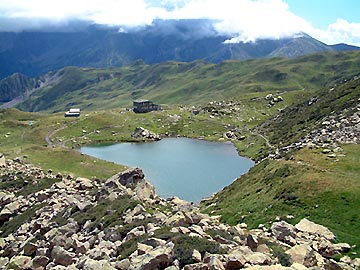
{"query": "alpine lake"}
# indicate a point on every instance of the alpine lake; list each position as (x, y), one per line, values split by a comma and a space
(190, 169)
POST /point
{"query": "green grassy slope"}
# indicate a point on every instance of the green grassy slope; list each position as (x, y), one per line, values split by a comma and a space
(305, 182)
(191, 83)
(310, 185)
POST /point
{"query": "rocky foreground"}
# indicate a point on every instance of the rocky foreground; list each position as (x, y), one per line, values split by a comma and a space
(52, 221)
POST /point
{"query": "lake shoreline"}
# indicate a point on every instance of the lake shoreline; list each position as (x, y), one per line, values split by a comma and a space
(211, 165)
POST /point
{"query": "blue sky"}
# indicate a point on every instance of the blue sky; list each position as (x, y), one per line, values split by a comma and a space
(330, 21)
(322, 13)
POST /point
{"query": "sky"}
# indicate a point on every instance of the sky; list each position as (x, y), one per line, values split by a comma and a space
(330, 21)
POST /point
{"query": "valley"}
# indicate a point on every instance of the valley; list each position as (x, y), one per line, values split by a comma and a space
(298, 119)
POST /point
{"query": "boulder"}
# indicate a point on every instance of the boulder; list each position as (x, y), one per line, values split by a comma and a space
(298, 266)
(310, 227)
(142, 248)
(196, 256)
(5, 215)
(270, 267)
(303, 254)
(143, 133)
(196, 266)
(83, 183)
(39, 262)
(172, 267)
(282, 230)
(3, 262)
(2, 160)
(91, 264)
(332, 265)
(158, 258)
(145, 190)
(252, 242)
(154, 242)
(61, 256)
(123, 264)
(258, 258)
(178, 219)
(215, 263)
(235, 261)
(2, 243)
(80, 247)
(130, 177)
(19, 263)
(328, 249)
(30, 249)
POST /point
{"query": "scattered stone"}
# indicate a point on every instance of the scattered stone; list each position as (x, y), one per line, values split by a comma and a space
(90, 243)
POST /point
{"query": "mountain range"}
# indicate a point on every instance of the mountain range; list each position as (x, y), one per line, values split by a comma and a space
(34, 53)
(173, 82)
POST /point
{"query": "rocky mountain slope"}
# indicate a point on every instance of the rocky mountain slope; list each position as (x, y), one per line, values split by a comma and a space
(36, 53)
(51, 221)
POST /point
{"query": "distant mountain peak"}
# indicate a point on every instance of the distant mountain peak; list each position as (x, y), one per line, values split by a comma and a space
(35, 53)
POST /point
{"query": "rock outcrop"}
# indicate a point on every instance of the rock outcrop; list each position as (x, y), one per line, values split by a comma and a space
(122, 224)
(144, 134)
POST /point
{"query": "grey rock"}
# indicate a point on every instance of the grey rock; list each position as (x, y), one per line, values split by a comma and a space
(303, 254)
(123, 264)
(2, 160)
(282, 229)
(235, 261)
(252, 242)
(19, 262)
(310, 227)
(61, 256)
(158, 258)
(196, 256)
(215, 264)
(40, 262)
(196, 266)
(30, 249)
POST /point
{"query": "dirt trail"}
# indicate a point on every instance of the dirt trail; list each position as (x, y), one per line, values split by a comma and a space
(50, 134)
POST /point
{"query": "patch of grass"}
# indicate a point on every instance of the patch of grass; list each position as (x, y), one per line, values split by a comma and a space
(41, 184)
(279, 253)
(214, 233)
(185, 245)
(100, 213)
(129, 247)
(15, 222)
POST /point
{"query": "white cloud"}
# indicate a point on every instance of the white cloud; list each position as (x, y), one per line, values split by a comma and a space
(245, 20)
(341, 31)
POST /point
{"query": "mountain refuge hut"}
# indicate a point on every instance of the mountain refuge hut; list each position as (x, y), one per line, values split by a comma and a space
(73, 112)
(144, 106)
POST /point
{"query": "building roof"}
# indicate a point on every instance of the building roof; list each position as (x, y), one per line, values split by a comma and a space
(141, 100)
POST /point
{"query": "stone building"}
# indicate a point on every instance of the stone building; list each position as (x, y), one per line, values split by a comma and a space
(144, 106)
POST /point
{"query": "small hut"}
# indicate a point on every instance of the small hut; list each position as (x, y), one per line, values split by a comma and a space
(73, 112)
(144, 106)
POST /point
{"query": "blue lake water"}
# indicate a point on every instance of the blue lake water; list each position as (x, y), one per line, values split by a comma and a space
(188, 168)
